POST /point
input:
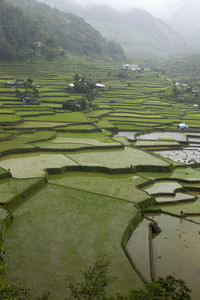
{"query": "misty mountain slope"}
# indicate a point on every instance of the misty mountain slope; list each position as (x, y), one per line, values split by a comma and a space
(184, 16)
(194, 38)
(26, 23)
(137, 31)
(72, 33)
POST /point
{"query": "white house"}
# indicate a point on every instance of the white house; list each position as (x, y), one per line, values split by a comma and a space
(100, 85)
(72, 85)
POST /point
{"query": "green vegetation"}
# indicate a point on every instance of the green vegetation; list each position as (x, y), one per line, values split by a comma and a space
(32, 29)
(62, 221)
(97, 278)
(68, 183)
(19, 33)
(116, 186)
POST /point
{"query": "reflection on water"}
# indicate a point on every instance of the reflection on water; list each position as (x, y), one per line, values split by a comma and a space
(178, 136)
(33, 164)
(128, 134)
(138, 247)
(187, 156)
(176, 251)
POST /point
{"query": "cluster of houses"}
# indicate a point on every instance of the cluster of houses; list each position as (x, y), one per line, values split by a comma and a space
(38, 46)
(75, 105)
(101, 86)
(126, 68)
(79, 105)
(194, 90)
(26, 99)
(135, 68)
(18, 83)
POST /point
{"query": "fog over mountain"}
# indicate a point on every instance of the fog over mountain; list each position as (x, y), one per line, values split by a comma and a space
(135, 29)
(157, 8)
(182, 15)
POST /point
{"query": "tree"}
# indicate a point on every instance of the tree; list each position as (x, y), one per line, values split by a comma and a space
(84, 86)
(30, 89)
(11, 291)
(167, 288)
(93, 287)
(94, 284)
(97, 279)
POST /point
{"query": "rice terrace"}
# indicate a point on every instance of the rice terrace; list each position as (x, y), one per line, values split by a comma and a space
(79, 183)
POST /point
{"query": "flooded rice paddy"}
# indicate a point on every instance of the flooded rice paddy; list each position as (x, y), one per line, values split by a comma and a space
(176, 251)
(163, 187)
(187, 156)
(128, 134)
(138, 248)
(33, 164)
(179, 197)
(178, 136)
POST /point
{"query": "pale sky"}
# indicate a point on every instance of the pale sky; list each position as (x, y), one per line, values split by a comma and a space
(156, 7)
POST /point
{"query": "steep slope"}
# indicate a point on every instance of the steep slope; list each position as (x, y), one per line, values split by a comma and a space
(72, 33)
(29, 28)
(19, 33)
(137, 31)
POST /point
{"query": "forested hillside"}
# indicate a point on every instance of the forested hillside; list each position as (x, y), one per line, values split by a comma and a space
(29, 28)
(19, 33)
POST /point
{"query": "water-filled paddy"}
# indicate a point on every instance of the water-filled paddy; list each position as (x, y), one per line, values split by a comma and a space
(128, 134)
(138, 248)
(33, 164)
(187, 156)
(163, 187)
(179, 197)
(92, 142)
(178, 136)
(118, 158)
(176, 251)
(190, 207)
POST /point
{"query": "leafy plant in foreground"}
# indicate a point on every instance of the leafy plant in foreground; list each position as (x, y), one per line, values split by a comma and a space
(97, 279)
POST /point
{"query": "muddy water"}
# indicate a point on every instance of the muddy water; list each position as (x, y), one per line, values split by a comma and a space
(187, 156)
(138, 247)
(194, 218)
(176, 251)
(128, 134)
(177, 136)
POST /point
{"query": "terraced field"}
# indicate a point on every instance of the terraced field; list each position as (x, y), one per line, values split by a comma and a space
(75, 185)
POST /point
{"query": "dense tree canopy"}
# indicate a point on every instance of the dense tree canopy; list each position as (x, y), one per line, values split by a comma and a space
(30, 28)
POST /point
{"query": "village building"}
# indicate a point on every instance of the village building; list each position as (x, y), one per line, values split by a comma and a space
(72, 105)
(129, 67)
(30, 100)
(100, 85)
(18, 83)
